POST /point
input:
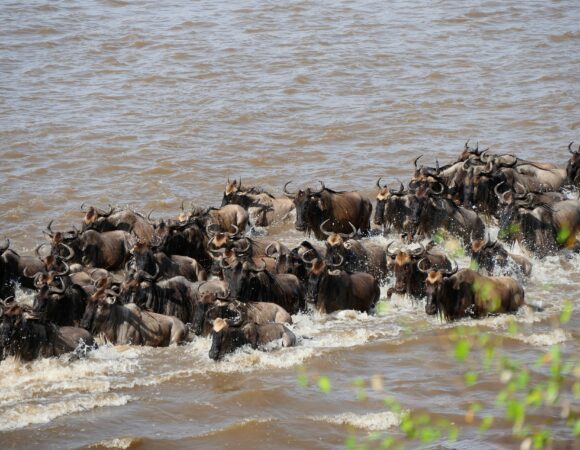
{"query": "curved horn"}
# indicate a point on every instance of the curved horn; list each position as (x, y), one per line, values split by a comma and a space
(271, 245)
(420, 265)
(496, 190)
(71, 252)
(157, 270)
(420, 251)
(48, 230)
(261, 269)
(339, 263)
(107, 213)
(65, 271)
(5, 246)
(149, 215)
(417, 159)
(83, 207)
(290, 194)
(440, 192)
(453, 270)
(235, 233)
(401, 188)
(37, 249)
(379, 181)
(212, 229)
(465, 165)
(63, 285)
(309, 261)
(327, 233)
(37, 283)
(243, 250)
(389, 253)
(349, 235)
(321, 189)
(521, 194)
(223, 263)
(28, 275)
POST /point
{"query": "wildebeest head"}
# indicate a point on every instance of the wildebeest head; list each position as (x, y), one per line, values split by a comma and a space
(227, 338)
(384, 196)
(403, 263)
(243, 279)
(96, 219)
(98, 310)
(573, 167)
(231, 194)
(487, 253)
(309, 204)
(209, 306)
(337, 243)
(320, 269)
(438, 292)
(15, 324)
(136, 286)
(144, 259)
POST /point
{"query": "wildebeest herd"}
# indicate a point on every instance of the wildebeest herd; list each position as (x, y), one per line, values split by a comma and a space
(135, 280)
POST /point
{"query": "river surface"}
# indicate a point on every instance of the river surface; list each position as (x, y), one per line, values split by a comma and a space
(146, 104)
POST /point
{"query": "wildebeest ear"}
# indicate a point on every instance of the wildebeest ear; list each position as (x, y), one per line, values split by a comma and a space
(91, 216)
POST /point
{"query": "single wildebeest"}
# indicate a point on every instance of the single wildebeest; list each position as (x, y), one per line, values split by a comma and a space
(185, 238)
(408, 268)
(227, 218)
(162, 266)
(124, 220)
(356, 255)
(431, 212)
(16, 268)
(465, 293)
(248, 283)
(543, 229)
(173, 297)
(334, 289)
(26, 337)
(488, 255)
(129, 324)
(226, 339)
(342, 208)
(573, 167)
(393, 207)
(263, 207)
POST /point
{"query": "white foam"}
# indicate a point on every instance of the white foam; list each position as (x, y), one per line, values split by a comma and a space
(381, 421)
(122, 443)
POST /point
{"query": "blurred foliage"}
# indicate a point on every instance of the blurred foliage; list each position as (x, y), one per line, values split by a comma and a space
(548, 387)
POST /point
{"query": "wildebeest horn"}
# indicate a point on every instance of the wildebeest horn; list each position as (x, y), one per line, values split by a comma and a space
(333, 264)
(225, 296)
(71, 252)
(420, 251)
(5, 246)
(413, 184)
(521, 194)
(379, 183)
(65, 271)
(401, 188)
(28, 275)
(37, 249)
(157, 270)
(308, 261)
(496, 190)
(389, 253)
(107, 213)
(37, 283)
(327, 233)
(453, 269)
(63, 285)
(48, 230)
(235, 233)
(223, 263)
(467, 144)
(483, 156)
(245, 249)
(440, 192)
(417, 159)
(272, 245)
(349, 235)
(420, 265)
(261, 269)
(83, 207)
(321, 189)
(289, 194)
(149, 215)
(574, 152)
(437, 168)
(212, 229)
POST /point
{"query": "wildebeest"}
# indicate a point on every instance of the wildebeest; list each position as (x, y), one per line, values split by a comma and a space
(408, 267)
(263, 207)
(162, 266)
(392, 207)
(14, 268)
(488, 255)
(356, 255)
(573, 167)
(226, 219)
(172, 297)
(465, 293)
(123, 220)
(26, 337)
(343, 209)
(334, 289)
(249, 283)
(542, 229)
(226, 339)
(129, 324)
(431, 212)
(187, 238)
(59, 300)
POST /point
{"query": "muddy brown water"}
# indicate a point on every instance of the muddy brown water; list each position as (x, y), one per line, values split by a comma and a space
(147, 104)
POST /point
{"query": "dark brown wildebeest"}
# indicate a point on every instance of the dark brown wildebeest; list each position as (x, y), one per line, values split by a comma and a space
(393, 207)
(162, 266)
(465, 293)
(187, 238)
(356, 256)
(263, 207)
(334, 289)
(341, 208)
(408, 266)
(129, 324)
(14, 268)
(123, 220)
(431, 212)
(248, 283)
(488, 254)
(542, 229)
(226, 339)
(573, 167)
(26, 337)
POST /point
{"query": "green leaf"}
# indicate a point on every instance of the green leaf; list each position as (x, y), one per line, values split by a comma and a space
(388, 442)
(566, 312)
(470, 378)
(324, 384)
(522, 379)
(552, 392)
(540, 438)
(429, 434)
(516, 412)
(462, 350)
(351, 443)
(512, 327)
(486, 423)
(453, 433)
(534, 397)
(576, 429)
